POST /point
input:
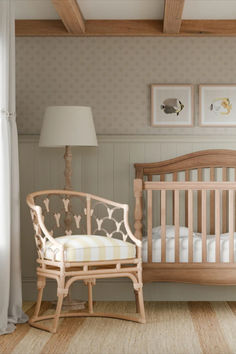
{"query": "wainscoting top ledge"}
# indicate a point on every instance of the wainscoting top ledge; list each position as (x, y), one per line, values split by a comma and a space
(148, 138)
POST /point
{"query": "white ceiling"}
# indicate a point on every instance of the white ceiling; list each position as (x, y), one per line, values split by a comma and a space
(129, 9)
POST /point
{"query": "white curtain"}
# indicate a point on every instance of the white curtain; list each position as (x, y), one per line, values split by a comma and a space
(10, 270)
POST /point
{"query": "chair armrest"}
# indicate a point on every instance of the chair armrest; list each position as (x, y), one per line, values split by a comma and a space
(126, 221)
(38, 211)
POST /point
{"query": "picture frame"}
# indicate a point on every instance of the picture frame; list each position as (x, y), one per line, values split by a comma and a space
(172, 105)
(217, 105)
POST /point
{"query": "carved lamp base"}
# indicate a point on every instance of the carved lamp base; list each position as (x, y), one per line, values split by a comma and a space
(69, 303)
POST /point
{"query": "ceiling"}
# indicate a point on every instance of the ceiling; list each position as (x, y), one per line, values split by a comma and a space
(128, 9)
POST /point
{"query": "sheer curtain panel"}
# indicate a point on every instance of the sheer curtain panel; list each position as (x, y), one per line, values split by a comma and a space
(10, 270)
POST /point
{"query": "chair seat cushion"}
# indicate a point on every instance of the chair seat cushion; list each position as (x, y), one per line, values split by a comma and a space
(83, 248)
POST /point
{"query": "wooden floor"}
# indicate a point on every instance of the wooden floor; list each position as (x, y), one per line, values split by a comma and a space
(172, 327)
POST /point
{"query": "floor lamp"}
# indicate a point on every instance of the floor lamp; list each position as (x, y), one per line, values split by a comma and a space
(68, 126)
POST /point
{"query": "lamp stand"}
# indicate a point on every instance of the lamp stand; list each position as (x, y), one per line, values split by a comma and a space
(68, 168)
(69, 303)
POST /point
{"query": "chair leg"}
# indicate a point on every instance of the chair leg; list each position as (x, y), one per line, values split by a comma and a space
(57, 313)
(61, 293)
(139, 297)
(90, 283)
(41, 282)
(141, 305)
(90, 297)
(136, 301)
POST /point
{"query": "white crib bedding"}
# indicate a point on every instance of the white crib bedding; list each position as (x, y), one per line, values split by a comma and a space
(183, 248)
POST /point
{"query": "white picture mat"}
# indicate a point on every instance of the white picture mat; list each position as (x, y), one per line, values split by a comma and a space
(207, 95)
(162, 92)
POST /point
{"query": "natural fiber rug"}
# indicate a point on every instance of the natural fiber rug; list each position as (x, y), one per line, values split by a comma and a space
(172, 327)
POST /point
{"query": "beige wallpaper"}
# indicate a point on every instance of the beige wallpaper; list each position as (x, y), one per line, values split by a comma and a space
(113, 75)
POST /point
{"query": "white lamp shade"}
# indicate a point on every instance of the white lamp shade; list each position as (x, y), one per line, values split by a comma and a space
(68, 125)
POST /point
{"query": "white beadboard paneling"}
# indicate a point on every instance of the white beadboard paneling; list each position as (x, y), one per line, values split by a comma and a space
(108, 171)
(57, 166)
(185, 148)
(152, 153)
(168, 150)
(43, 158)
(27, 185)
(90, 170)
(77, 168)
(121, 172)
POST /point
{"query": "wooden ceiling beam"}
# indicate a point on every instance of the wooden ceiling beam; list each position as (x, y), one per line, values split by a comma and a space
(70, 14)
(173, 16)
(129, 28)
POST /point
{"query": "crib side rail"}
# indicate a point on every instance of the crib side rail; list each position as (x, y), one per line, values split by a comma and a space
(218, 189)
(211, 186)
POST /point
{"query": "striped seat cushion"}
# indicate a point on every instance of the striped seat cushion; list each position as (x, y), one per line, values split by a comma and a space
(81, 248)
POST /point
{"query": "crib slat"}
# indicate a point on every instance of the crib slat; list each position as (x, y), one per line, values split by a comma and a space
(224, 202)
(231, 226)
(212, 203)
(190, 225)
(187, 177)
(204, 224)
(149, 178)
(149, 224)
(162, 179)
(217, 224)
(176, 192)
(175, 178)
(163, 225)
(235, 195)
(199, 202)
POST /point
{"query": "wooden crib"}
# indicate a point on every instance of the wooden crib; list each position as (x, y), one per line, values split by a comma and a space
(196, 190)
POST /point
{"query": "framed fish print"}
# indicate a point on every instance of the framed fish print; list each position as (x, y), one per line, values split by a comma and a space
(217, 105)
(172, 105)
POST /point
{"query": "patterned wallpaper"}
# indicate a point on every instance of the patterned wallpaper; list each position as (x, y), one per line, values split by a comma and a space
(113, 76)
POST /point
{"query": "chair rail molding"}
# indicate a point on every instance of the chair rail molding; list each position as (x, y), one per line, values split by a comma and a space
(149, 138)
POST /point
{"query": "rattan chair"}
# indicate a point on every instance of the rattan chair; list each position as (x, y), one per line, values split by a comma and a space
(80, 236)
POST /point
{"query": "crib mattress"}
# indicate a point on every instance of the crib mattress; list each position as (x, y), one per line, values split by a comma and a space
(183, 249)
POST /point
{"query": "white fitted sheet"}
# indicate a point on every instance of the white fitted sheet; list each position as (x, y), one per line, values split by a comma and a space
(183, 248)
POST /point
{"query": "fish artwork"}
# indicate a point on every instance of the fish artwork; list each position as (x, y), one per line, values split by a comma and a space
(221, 106)
(172, 106)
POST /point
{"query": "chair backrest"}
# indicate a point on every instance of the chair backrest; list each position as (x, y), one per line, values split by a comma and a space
(58, 212)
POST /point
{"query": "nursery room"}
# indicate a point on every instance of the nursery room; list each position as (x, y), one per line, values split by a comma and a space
(118, 176)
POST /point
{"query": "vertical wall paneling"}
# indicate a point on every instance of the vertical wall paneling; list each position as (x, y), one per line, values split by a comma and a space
(121, 173)
(90, 169)
(107, 171)
(168, 151)
(152, 152)
(77, 168)
(27, 185)
(42, 167)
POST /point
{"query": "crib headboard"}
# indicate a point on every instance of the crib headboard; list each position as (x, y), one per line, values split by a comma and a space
(200, 160)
